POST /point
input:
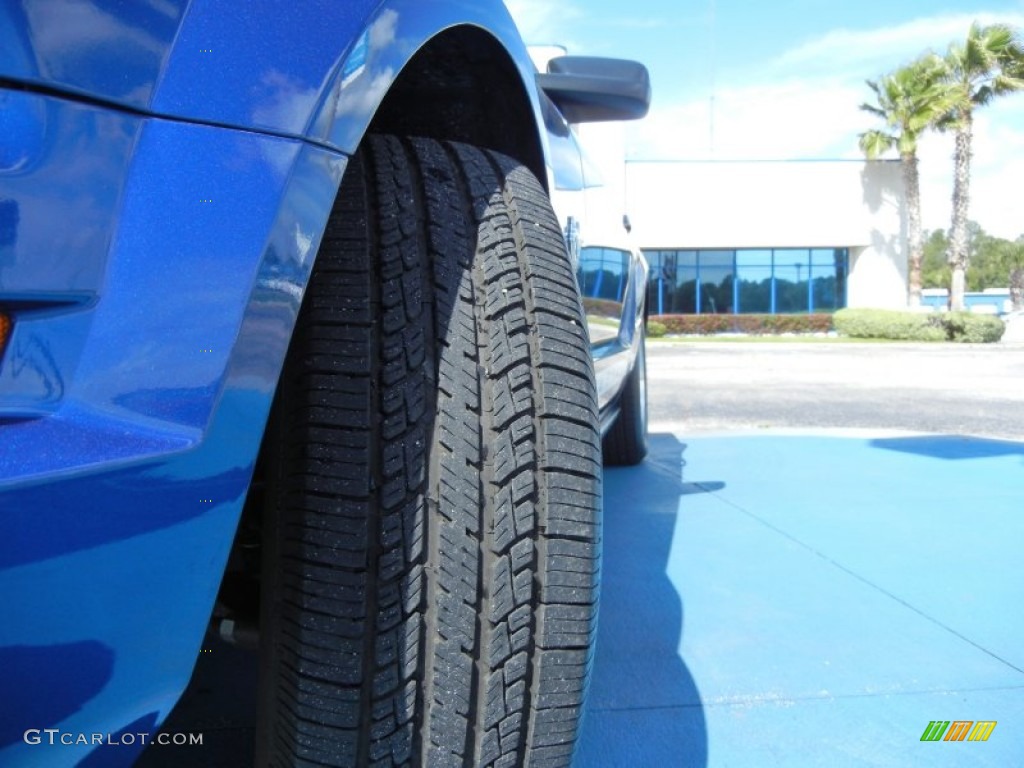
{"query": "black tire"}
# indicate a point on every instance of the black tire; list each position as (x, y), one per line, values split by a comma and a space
(625, 444)
(431, 542)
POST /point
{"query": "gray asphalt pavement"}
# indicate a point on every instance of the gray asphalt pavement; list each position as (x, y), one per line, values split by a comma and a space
(939, 388)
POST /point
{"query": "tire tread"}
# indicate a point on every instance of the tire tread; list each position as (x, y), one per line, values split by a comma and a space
(438, 506)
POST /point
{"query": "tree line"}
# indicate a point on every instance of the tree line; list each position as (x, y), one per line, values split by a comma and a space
(940, 93)
(993, 262)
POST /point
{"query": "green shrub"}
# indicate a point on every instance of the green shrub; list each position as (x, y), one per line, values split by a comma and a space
(918, 326)
(973, 329)
(756, 324)
(888, 324)
(656, 329)
(602, 308)
(687, 324)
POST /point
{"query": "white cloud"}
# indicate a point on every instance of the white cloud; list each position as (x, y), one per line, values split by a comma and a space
(287, 103)
(792, 119)
(543, 22)
(874, 51)
(382, 31)
(805, 104)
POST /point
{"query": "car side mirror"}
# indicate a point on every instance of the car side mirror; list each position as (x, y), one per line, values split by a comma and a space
(589, 89)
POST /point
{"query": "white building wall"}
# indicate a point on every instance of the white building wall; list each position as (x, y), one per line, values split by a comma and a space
(779, 204)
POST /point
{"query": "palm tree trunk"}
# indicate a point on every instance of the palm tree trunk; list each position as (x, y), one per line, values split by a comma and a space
(912, 188)
(1017, 288)
(961, 198)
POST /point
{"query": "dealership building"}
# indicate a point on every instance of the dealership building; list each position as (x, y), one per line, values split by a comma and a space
(759, 236)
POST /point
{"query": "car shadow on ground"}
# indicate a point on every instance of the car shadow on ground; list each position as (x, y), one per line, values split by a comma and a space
(644, 707)
(950, 447)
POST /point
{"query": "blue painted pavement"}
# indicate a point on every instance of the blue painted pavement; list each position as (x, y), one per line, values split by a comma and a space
(807, 600)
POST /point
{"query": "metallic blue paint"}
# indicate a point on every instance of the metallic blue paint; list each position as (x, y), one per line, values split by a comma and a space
(107, 49)
(172, 171)
(120, 506)
(263, 64)
(313, 70)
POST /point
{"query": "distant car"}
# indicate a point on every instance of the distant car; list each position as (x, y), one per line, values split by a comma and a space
(612, 274)
(292, 347)
(1014, 326)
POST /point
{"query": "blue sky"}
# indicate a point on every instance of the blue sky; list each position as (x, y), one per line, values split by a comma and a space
(734, 79)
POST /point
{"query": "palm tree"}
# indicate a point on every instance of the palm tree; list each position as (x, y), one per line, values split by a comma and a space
(989, 63)
(910, 101)
(1016, 264)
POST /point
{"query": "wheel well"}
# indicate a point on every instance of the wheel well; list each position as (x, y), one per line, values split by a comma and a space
(463, 86)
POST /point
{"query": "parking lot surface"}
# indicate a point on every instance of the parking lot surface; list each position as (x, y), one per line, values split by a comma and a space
(817, 560)
(784, 600)
(939, 388)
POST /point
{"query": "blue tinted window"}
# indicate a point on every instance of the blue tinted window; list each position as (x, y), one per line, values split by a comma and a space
(828, 281)
(792, 271)
(754, 280)
(673, 282)
(716, 281)
(761, 280)
(603, 273)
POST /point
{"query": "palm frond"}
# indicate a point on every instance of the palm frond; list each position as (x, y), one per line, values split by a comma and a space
(911, 100)
(1007, 83)
(989, 62)
(906, 144)
(983, 95)
(873, 109)
(876, 143)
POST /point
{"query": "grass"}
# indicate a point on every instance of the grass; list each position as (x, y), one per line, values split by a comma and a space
(771, 339)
